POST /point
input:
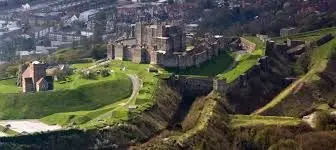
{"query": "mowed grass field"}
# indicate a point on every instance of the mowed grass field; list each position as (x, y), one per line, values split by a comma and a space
(87, 96)
(77, 94)
(116, 111)
(244, 62)
(9, 86)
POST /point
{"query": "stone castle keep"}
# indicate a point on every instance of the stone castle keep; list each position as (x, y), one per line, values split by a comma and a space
(163, 45)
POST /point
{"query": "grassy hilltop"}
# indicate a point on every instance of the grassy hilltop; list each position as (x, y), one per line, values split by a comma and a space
(114, 111)
(76, 95)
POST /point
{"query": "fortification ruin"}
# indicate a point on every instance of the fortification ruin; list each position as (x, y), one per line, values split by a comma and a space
(34, 78)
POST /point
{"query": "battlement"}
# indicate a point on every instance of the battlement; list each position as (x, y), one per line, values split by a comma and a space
(247, 45)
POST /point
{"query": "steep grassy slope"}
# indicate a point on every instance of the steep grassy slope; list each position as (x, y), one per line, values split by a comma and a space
(120, 135)
(312, 89)
(203, 128)
(249, 120)
(9, 86)
(86, 97)
(116, 111)
(244, 62)
(309, 36)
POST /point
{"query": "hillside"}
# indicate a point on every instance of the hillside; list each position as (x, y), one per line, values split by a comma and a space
(144, 87)
(84, 97)
(310, 90)
(179, 112)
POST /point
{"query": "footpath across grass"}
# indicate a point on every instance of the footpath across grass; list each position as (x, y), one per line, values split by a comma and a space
(85, 96)
(116, 111)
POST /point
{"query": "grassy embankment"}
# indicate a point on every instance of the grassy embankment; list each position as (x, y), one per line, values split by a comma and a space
(244, 62)
(117, 111)
(78, 94)
(318, 61)
(228, 65)
(252, 120)
(309, 36)
(9, 86)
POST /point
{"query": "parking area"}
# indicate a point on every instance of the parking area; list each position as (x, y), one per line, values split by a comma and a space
(28, 126)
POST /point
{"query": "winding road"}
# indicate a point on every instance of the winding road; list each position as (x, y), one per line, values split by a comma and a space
(136, 85)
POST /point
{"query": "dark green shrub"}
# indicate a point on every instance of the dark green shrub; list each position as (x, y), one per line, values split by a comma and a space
(105, 72)
(88, 74)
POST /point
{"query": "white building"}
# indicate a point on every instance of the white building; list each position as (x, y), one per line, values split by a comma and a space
(84, 16)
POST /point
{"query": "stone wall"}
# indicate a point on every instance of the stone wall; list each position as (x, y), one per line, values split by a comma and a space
(193, 85)
(200, 58)
(263, 37)
(137, 56)
(119, 52)
(185, 61)
(168, 61)
(294, 43)
(128, 53)
(110, 51)
(247, 45)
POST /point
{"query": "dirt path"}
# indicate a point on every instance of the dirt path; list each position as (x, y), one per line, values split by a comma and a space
(136, 85)
(100, 64)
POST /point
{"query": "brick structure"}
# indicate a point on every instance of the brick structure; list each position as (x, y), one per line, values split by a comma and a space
(34, 78)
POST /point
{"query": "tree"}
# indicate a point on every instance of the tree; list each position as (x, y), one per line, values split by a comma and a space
(99, 27)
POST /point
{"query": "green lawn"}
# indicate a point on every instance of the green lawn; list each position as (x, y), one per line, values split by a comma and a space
(243, 66)
(9, 86)
(81, 118)
(115, 111)
(309, 36)
(252, 120)
(149, 80)
(212, 68)
(86, 96)
(245, 61)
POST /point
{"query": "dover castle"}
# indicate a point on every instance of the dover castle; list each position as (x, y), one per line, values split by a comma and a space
(164, 45)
